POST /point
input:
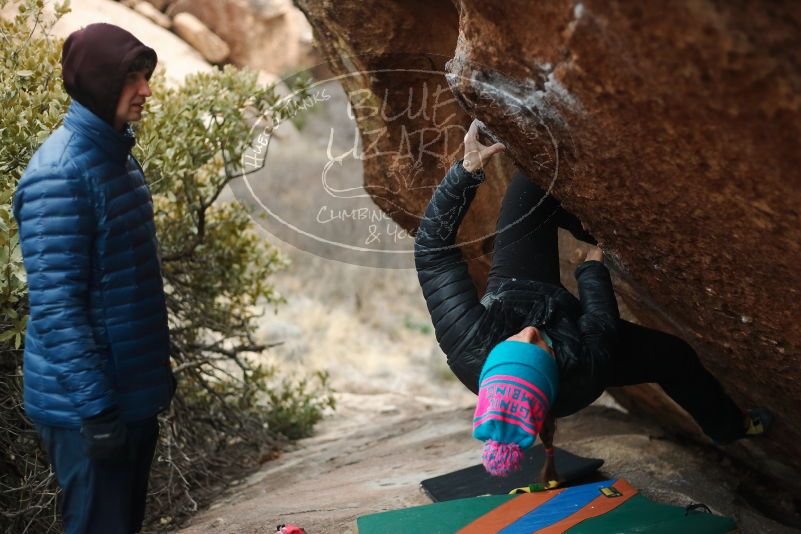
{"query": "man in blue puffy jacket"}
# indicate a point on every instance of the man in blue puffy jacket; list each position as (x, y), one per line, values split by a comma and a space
(96, 367)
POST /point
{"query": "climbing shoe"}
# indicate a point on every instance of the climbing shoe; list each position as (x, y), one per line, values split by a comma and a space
(759, 422)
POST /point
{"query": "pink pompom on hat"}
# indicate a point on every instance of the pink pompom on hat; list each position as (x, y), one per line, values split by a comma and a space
(516, 387)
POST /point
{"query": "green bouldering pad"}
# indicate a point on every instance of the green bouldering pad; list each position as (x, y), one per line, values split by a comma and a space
(439, 518)
(640, 514)
(604, 507)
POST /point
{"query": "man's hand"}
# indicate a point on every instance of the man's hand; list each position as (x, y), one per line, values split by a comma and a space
(104, 436)
(476, 154)
(595, 254)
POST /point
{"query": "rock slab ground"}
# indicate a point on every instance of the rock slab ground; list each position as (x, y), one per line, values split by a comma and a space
(372, 455)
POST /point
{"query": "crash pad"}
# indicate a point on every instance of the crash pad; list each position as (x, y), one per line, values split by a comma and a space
(605, 507)
(474, 481)
(642, 515)
(440, 518)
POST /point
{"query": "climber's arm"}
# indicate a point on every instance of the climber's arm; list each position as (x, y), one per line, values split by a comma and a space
(447, 287)
(600, 315)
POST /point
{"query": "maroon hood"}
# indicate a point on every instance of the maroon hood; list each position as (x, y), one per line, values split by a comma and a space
(94, 62)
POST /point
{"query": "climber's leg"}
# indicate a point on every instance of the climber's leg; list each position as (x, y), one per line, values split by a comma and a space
(526, 240)
(526, 243)
(648, 355)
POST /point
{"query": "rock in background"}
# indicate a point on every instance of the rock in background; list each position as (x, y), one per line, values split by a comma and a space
(670, 129)
(146, 9)
(269, 35)
(266, 35)
(176, 56)
(192, 30)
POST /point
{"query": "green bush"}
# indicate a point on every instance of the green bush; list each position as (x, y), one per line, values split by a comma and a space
(293, 409)
(229, 411)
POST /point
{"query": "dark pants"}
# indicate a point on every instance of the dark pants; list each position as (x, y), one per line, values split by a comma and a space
(101, 496)
(526, 247)
(526, 239)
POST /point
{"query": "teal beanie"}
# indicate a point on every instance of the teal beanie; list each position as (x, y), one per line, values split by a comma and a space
(517, 386)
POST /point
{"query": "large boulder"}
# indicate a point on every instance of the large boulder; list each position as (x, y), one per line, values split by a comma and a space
(670, 129)
(410, 122)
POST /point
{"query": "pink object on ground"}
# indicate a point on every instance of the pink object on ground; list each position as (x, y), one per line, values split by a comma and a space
(290, 529)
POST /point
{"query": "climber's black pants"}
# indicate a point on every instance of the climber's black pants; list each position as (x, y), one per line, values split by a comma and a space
(526, 239)
(648, 355)
(526, 247)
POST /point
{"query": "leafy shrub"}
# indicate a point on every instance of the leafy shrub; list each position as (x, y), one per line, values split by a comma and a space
(229, 411)
(293, 409)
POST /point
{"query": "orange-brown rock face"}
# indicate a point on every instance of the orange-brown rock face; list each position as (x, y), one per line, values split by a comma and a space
(391, 61)
(671, 129)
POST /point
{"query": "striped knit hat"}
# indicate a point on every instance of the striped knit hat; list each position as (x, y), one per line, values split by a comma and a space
(516, 388)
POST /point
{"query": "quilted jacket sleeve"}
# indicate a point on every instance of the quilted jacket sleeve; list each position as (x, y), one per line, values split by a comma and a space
(447, 287)
(54, 210)
(600, 316)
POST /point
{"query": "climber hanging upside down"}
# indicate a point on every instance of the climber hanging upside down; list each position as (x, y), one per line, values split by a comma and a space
(530, 349)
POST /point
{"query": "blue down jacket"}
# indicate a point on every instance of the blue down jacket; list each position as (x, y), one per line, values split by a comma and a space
(584, 332)
(97, 334)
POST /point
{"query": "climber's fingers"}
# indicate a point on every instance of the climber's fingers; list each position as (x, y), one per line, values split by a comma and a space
(595, 254)
(471, 137)
(472, 132)
(475, 153)
(488, 152)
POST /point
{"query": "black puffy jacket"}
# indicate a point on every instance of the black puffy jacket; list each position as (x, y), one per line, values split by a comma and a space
(584, 332)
